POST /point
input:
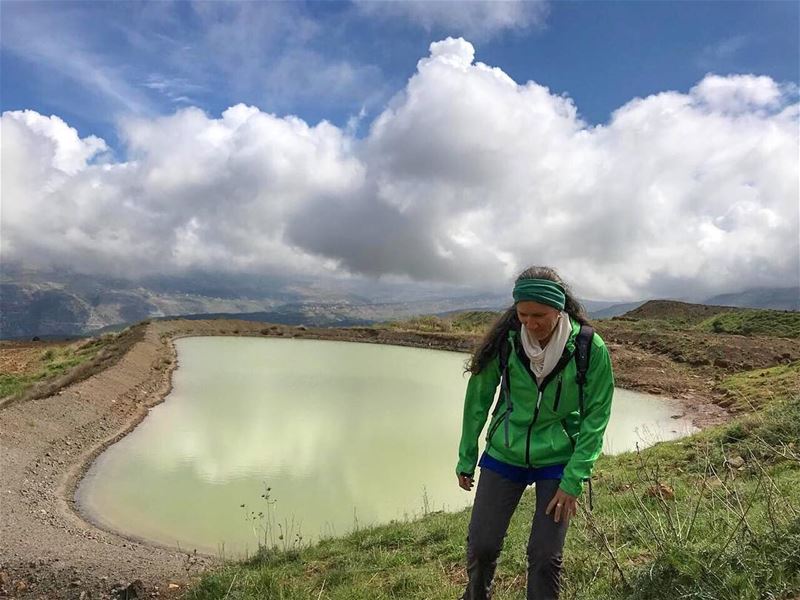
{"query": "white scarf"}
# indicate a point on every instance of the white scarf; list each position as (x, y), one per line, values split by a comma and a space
(544, 360)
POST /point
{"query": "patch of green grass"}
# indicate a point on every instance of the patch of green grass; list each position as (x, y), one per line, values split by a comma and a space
(11, 385)
(468, 322)
(754, 322)
(53, 363)
(427, 324)
(753, 389)
(474, 321)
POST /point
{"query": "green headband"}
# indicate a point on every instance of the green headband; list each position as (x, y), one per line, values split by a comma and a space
(543, 291)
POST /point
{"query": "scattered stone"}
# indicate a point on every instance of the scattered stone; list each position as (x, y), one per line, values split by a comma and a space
(735, 462)
(130, 592)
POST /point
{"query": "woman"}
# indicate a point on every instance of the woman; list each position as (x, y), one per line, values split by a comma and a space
(546, 429)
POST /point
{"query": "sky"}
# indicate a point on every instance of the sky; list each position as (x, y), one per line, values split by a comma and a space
(645, 149)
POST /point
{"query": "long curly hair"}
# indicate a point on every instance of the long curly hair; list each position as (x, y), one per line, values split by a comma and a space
(498, 333)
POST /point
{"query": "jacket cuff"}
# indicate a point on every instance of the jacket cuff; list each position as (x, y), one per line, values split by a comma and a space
(465, 469)
(571, 486)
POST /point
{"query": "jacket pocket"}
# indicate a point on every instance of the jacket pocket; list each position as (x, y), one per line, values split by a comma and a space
(497, 423)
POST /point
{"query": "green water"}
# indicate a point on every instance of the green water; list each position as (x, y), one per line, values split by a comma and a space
(344, 434)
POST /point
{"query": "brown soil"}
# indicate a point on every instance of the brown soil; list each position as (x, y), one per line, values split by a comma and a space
(19, 358)
(48, 550)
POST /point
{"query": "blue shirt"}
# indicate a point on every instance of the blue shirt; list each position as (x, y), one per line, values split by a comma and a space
(526, 475)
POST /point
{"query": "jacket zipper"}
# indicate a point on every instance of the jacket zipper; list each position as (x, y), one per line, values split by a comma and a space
(558, 394)
(530, 428)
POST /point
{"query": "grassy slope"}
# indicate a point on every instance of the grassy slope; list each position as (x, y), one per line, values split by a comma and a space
(750, 321)
(712, 516)
(60, 364)
(716, 319)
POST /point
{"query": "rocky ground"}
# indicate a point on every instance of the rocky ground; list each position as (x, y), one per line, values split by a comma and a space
(48, 550)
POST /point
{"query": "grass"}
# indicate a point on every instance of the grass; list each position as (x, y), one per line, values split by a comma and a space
(53, 362)
(60, 365)
(754, 322)
(467, 322)
(753, 389)
(714, 516)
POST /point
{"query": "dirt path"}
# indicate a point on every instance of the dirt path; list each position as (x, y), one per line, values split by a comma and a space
(47, 550)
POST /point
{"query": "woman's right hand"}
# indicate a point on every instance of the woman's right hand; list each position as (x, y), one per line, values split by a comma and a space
(465, 482)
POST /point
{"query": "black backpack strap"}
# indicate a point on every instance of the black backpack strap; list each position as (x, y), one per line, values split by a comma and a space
(505, 385)
(583, 349)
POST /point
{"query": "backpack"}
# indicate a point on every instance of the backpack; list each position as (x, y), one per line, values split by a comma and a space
(583, 347)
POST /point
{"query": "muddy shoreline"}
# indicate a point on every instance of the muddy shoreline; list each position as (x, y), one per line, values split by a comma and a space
(48, 549)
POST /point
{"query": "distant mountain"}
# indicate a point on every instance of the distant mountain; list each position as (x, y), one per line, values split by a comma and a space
(615, 310)
(61, 303)
(57, 304)
(775, 298)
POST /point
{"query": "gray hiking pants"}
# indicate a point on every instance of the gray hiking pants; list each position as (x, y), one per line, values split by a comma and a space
(495, 501)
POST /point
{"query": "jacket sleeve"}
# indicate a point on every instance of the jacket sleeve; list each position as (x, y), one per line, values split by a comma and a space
(598, 392)
(477, 402)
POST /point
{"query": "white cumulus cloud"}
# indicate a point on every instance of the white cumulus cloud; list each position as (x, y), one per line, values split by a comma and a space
(466, 176)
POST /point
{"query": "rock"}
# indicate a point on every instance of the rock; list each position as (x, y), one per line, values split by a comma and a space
(4, 579)
(735, 462)
(130, 592)
(173, 586)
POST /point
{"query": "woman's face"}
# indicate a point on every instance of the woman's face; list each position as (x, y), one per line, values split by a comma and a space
(539, 319)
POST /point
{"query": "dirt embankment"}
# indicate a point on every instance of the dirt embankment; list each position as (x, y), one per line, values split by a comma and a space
(47, 550)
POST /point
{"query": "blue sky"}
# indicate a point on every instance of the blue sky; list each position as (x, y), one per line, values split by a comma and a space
(93, 63)
(645, 149)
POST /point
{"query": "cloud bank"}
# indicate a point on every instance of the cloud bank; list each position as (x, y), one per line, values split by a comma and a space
(465, 177)
(477, 19)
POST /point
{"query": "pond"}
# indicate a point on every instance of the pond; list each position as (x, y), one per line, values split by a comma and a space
(336, 435)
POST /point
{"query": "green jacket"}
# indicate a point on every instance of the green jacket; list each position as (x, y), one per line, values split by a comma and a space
(558, 435)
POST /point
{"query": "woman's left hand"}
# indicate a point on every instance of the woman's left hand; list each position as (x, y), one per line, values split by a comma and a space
(562, 505)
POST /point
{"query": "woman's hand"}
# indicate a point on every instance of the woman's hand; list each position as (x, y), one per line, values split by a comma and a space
(465, 482)
(562, 505)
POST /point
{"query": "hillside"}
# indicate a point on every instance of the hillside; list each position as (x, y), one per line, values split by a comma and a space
(678, 313)
(716, 319)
